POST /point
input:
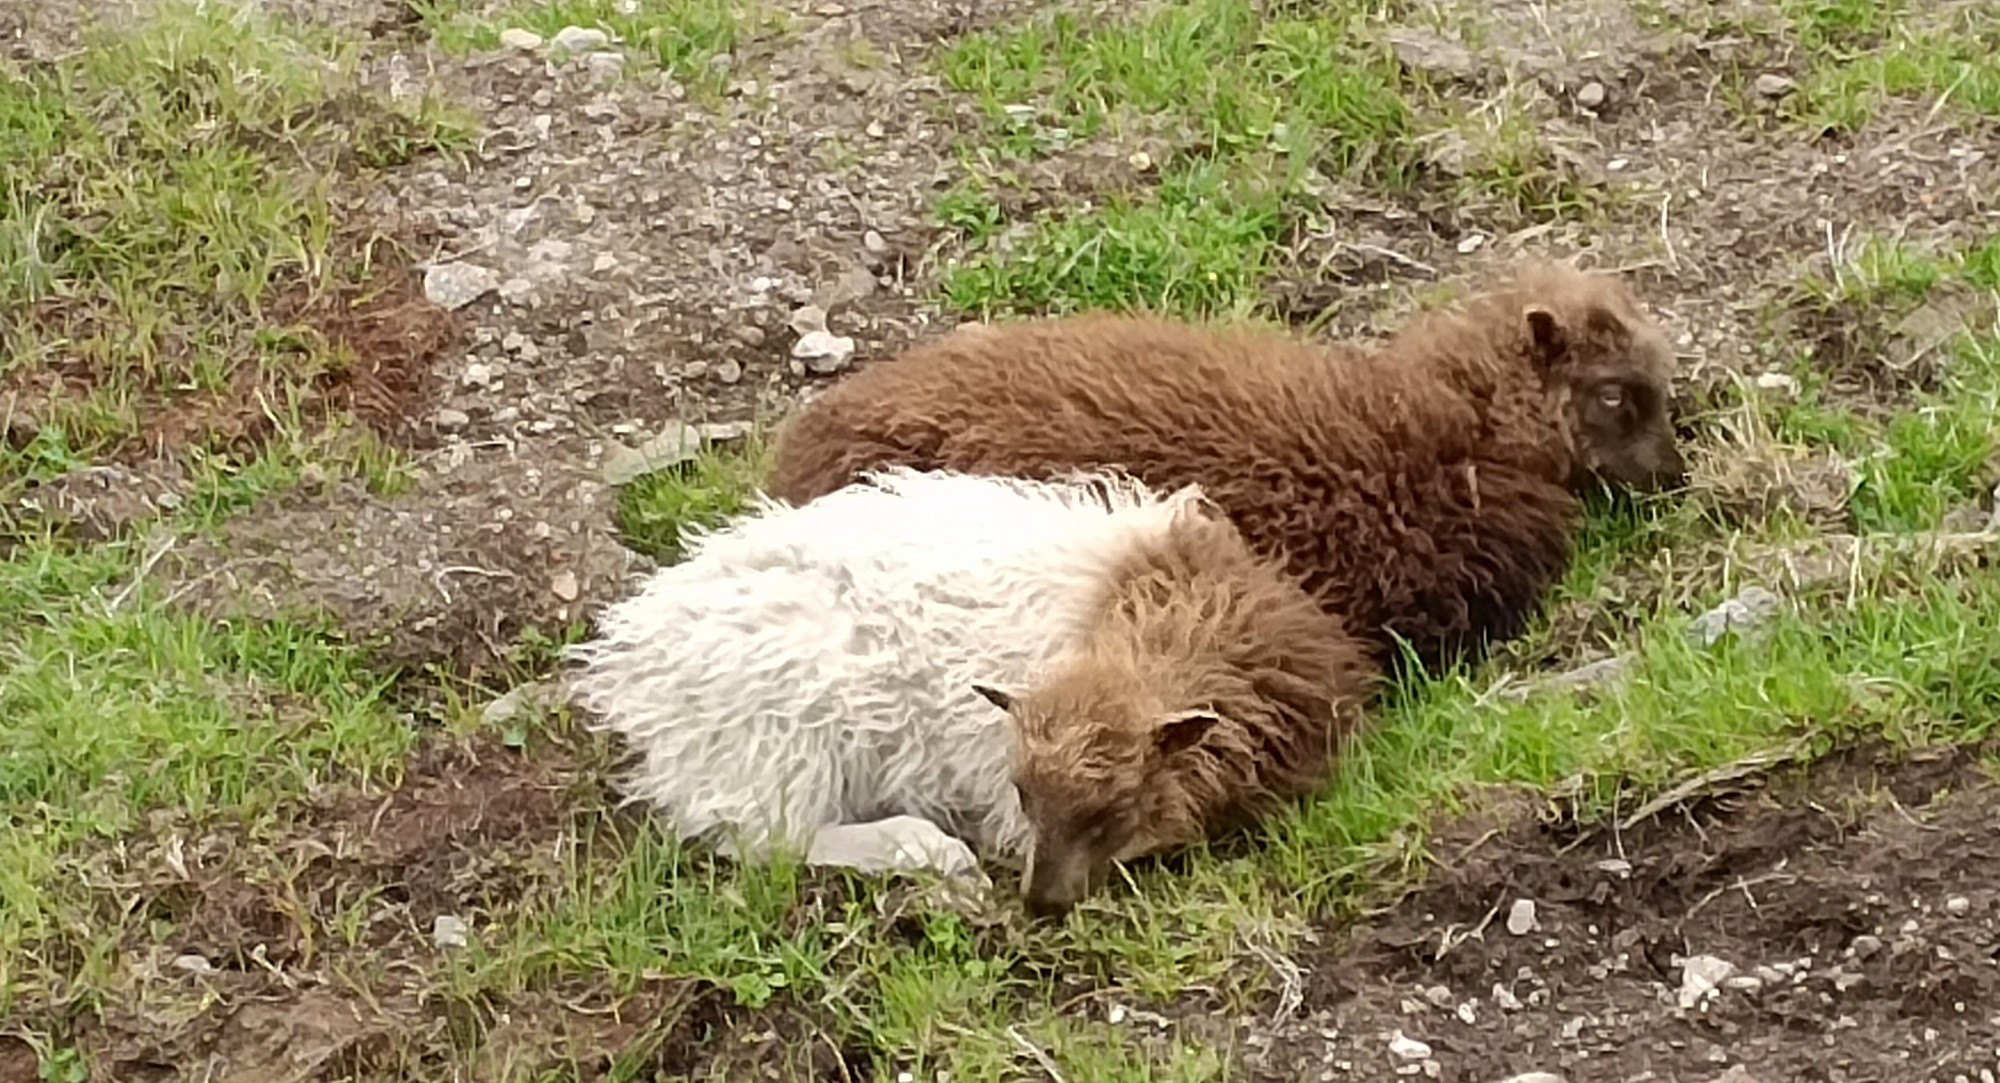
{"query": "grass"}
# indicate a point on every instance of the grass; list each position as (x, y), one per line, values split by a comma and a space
(1864, 54)
(160, 211)
(1259, 112)
(691, 40)
(161, 230)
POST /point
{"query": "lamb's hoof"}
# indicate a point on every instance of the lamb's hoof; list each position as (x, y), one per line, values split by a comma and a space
(895, 844)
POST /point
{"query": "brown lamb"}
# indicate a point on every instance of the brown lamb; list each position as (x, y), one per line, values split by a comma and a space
(1209, 690)
(1426, 490)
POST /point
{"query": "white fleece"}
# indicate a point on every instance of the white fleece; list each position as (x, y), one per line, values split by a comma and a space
(811, 667)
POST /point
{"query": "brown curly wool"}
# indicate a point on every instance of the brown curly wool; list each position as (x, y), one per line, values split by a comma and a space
(1421, 490)
(1208, 691)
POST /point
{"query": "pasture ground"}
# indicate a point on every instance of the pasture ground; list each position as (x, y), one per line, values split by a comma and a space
(333, 334)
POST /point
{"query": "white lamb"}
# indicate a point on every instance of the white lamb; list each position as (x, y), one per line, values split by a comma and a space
(805, 677)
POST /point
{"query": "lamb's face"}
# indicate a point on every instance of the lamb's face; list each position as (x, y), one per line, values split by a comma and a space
(1615, 370)
(1090, 772)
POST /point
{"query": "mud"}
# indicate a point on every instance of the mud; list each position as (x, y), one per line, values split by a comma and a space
(1853, 904)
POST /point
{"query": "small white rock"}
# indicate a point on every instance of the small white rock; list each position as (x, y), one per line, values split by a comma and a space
(579, 39)
(1505, 998)
(824, 352)
(1957, 906)
(193, 964)
(1408, 1048)
(1521, 917)
(604, 66)
(674, 444)
(1700, 974)
(807, 319)
(448, 932)
(564, 585)
(1590, 95)
(452, 286)
(1773, 85)
(1750, 609)
(1778, 381)
(450, 420)
(515, 37)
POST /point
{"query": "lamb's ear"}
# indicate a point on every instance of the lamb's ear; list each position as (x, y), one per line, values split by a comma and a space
(995, 696)
(1607, 327)
(1547, 336)
(1180, 732)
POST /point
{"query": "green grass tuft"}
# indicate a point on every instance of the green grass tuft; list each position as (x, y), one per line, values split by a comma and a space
(1862, 54)
(1260, 113)
(685, 38)
(160, 211)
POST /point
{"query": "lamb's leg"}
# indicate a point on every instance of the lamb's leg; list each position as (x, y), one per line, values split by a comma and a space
(892, 844)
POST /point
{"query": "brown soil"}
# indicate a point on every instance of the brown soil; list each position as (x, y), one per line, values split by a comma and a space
(378, 339)
(238, 990)
(1854, 900)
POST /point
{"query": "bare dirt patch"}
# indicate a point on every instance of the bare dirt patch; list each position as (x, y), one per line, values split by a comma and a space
(643, 253)
(1852, 904)
(311, 951)
(487, 543)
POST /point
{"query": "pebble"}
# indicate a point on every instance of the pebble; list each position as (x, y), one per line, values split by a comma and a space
(605, 66)
(451, 420)
(1505, 998)
(193, 964)
(1700, 974)
(1590, 95)
(727, 370)
(675, 444)
(1778, 381)
(1773, 85)
(807, 319)
(824, 352)
(1534, 1077)
(478, 374)
(1957, 906)
(1407, 1047)
(1521, 917)
(1749, 609)
(579, 39)
(452, 286)
(875, 243)
(448, 932)
(1865, 945)
(564, 585)
(515, 37)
